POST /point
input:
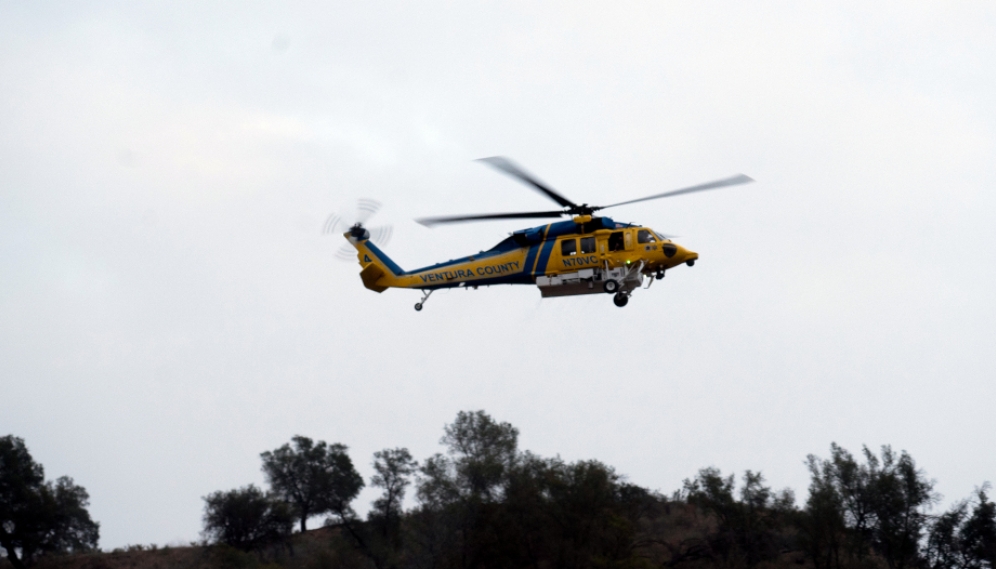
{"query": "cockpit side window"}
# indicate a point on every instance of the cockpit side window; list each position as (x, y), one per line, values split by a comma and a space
(616, 241)
(645, 236)
(569, 247)
(587, 245)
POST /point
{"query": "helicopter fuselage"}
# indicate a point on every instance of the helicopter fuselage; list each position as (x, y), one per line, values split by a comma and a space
(565, 258)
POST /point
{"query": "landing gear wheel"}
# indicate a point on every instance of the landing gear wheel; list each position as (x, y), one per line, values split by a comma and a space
(610, 286)
(620, 299)
(660, 275)
(425, 297)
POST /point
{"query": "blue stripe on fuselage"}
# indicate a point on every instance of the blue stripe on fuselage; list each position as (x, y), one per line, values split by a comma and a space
(527, 268)
(391, 265)
(544, 257)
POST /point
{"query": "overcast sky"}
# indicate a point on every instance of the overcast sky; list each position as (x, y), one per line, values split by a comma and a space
(169, 307)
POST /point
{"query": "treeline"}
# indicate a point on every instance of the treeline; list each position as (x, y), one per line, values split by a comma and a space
(486, 504)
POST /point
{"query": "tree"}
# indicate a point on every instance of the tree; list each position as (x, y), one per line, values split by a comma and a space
(824, 530)
(900, 494)
(394, 468)
(588, 512)
(314, 478)
(857, 508)
(381, 539)
(36, 516)
(459, 492)
(485, 504)
(747, 527)
(961, 540)
(979, 532)
(246, 518)
(483, 450)
(838, 521)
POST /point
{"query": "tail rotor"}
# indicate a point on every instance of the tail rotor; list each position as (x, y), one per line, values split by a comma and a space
(336, 224)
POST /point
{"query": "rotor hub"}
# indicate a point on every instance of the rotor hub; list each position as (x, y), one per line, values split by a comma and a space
(358, 232)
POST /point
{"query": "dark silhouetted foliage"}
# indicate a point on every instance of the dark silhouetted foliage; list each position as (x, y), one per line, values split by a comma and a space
(36, 516)
(749, 529)
(856, 509)
(315, 479)
(485, 504)
(964, 539)
(246, 519)
(393, 473)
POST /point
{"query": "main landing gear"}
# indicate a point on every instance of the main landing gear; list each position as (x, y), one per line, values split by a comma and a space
(425, 297)
(612, 286)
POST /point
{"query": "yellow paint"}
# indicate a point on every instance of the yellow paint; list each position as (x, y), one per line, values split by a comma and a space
(377, 275)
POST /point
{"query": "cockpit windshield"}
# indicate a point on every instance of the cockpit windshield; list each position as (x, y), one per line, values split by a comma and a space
(644, 236)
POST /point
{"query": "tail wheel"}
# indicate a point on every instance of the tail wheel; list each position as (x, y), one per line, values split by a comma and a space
(418, 307)
(610, 286)
(620, 299)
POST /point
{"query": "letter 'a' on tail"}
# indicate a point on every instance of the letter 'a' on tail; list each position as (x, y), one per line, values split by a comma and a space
(379, 271)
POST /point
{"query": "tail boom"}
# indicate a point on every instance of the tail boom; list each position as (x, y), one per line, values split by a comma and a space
(379, 272)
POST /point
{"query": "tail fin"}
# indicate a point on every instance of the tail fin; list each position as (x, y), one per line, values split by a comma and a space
(379, 271)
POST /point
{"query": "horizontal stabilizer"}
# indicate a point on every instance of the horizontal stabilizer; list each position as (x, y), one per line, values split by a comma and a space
(370, 274)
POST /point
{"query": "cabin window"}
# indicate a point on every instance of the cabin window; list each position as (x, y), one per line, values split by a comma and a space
(569, 247)
(587, 245)
(645, 236)
(616, 241)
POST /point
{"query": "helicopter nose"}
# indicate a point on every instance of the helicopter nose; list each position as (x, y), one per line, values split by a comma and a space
(685, 256)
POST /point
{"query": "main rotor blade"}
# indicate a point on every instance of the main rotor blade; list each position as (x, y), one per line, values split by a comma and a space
(733, 181)
(430, 221)
(512, 169)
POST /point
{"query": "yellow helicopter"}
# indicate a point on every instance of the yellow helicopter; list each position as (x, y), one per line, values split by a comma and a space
(587, 254)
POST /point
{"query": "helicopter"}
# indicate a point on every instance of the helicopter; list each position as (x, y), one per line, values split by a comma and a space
(587, 254)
